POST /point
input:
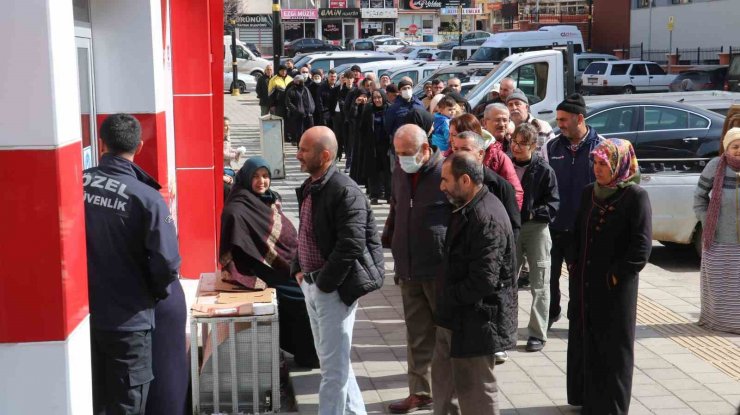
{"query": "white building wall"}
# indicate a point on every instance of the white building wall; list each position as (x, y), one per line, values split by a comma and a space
(706, 24)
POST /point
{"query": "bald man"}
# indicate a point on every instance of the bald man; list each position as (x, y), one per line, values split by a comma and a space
(339, 260)
(415, 233)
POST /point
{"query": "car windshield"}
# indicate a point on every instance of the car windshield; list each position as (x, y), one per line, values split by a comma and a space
(405, 50)
(596, 69)
(302, 61)
(487, 54)
(485, 84)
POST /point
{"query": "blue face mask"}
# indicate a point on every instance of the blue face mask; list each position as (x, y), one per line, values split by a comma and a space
(409, 164)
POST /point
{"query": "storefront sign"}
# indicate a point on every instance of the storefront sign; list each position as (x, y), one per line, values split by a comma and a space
(370, 25)
(433, 4)
(454, 11)
(262, 21)
(337, 4)
(351, 13)
(299, 14)
(379, 13)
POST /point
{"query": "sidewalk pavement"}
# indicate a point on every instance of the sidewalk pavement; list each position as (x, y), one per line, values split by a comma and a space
(680, 368)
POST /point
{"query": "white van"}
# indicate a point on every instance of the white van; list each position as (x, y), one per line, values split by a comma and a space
(464, 52)
(499, 46)
(378, 68)
(329, 60)
(246, 61)
(417, 71)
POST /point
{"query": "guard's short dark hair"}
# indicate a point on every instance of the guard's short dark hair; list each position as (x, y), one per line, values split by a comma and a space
(121, 133)
(437, 82)
(462, 162)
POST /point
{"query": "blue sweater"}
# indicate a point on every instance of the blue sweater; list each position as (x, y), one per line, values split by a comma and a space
(574, 170)
(396, 114)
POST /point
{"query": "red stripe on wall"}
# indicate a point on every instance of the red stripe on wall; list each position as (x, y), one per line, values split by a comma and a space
(43, 289)
(195, 222)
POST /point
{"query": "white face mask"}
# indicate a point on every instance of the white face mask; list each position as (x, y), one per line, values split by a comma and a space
(409, 164)
(406, 93)
(317, 79)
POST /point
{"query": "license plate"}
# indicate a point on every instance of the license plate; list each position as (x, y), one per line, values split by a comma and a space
(592, 80)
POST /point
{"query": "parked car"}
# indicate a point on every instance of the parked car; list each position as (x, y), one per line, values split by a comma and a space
(391, 45)
(582, 60)
(659, 129)
(435, 55)
(361, 44)
(412, 52)
(733, 75)
(700, 80)
(246, 61)
(416, 71)
(463, 53)
(476, 34)
(308, 45)
(246, 83)
(328, 60)
(625, 77)
(378, 38)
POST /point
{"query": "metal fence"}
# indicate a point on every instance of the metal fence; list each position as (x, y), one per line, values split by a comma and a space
(689, 56)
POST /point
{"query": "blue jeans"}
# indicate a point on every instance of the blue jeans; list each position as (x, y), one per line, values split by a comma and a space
(331, 323)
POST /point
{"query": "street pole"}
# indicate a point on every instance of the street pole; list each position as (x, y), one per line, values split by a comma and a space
(459, 23)
(277, 41)
(590, 22)
(650, 24)
(234, 67)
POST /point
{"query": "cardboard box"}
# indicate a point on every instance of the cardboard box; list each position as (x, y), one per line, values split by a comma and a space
(215, 298)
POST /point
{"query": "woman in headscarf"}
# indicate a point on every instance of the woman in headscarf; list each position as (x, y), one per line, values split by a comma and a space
(717, 205)
(261, 242)
(355, 145)
(375, 144)
(613, 239)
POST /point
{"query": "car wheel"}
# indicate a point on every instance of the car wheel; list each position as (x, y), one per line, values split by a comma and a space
(628, 89)
(242, 87)
(255, 73)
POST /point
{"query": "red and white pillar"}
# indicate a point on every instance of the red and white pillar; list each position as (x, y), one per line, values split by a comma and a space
(44, 330)
(198, 111)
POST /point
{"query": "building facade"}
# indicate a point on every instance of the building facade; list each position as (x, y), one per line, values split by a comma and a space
(69, 65)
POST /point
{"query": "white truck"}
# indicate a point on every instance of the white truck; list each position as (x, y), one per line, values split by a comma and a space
(670, 183)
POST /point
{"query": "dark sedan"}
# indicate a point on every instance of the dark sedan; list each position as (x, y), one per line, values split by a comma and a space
(700, 80)
(659, 129)
(308, 45)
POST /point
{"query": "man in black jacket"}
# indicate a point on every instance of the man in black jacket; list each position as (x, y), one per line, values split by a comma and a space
(339, 260)
(415, 231)
(475, 313)
(471, 142)
(328, 92)
(262, 90)
(132, 258)
(300, 105)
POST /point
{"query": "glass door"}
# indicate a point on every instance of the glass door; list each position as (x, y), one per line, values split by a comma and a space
(90, 150)
(349, 32)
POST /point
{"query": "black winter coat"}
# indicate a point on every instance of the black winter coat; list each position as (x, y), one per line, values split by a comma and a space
(417, 222)
(505, 192)
(541, 198)
(329, 98)
(613, 239)
(261, 89)
(344, 227)
(374, 144)
(299, 102)
(314, 88)
(476, 297)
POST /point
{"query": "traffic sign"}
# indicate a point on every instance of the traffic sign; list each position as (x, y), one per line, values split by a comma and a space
(671, 23)
(412, 29)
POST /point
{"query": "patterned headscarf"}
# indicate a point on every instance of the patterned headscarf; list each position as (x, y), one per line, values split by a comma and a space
(621, 157)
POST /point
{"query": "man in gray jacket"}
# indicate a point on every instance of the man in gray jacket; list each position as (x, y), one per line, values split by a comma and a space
(415, 232)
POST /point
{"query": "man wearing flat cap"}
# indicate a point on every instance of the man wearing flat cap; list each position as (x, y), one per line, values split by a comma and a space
(518, 105)
(569, 155)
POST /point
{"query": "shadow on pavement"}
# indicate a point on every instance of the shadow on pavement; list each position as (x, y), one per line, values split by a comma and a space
(675, 259)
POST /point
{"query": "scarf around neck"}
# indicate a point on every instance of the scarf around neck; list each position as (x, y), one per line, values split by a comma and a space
(715, 199)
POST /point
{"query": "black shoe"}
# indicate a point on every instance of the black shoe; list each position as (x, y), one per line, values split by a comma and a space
(374, 201)
(523, 282)
(552, 321)
(534, 345)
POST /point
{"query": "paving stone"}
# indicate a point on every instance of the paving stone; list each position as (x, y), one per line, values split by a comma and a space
(663, 402)
(719, 407)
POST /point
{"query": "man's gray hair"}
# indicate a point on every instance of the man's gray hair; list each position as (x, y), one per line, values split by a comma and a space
(509, 79)
(413, 131)
(477, 139)
(495, 107)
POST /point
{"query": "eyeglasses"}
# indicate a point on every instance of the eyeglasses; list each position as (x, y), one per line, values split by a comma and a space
(519, 144)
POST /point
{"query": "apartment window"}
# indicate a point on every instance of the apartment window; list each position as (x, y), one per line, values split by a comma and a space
(643, 3)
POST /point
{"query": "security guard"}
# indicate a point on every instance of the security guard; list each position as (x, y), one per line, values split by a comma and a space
(132, 257)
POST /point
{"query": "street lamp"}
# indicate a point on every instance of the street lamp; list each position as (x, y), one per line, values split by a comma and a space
(459, 23)
(234, 68)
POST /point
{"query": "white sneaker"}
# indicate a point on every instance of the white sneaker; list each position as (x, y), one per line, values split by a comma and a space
(501, 357)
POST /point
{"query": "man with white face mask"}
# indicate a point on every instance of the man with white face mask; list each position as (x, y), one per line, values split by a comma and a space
(415, 232)
(406, 101)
